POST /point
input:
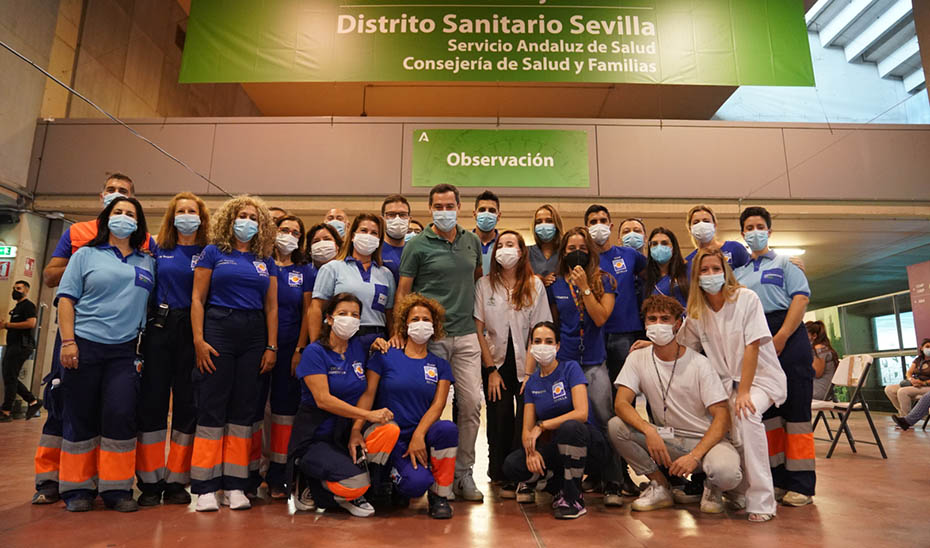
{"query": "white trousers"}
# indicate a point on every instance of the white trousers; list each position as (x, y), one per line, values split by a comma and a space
(757, 482)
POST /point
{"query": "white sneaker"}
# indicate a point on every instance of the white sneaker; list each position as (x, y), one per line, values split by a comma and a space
(712, 501)
(207, 503)
(653, 498)
(735, 501)
(238, 500)
(304, 500)
(359, 507)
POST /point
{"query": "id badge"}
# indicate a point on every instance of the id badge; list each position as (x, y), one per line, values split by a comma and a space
(666, 432)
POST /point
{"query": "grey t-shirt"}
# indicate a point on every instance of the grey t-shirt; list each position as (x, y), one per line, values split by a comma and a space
(540, 264)
(822, 385)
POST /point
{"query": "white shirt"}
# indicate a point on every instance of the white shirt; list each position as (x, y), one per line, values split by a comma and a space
(500, 318)
(694, 387)
(724, 336)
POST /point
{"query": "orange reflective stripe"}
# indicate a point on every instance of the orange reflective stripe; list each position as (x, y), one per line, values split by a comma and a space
(776, 439)
(348, 493)
(800, 447)
(280, 437)
(179, 458)
(207, 453)
(443, 470)
(47, 459)
(237, 450)
(150, 456)
(116, 466)
(383, 438)
(78, 468)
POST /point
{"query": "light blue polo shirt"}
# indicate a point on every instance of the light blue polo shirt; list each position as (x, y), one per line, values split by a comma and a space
(110, 292)
(374, 287)
(775, 279)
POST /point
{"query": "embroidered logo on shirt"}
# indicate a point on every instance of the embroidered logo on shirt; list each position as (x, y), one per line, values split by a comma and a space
(382, 299)
(194, 260)
(728, 255)
(775, 276)
(558, 391)
(431, 372)
(261, 268)
(619, 265)
(359, 370)
(295, 279)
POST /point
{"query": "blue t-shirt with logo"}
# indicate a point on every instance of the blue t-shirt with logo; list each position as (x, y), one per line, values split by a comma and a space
(175, 268)
(346, 378)
(293, 282)
(624, 264)
(735, 253)
(390, 258)
(408, 385)
(239, 280)
(552, 394)
(664, 287)
(570, 326)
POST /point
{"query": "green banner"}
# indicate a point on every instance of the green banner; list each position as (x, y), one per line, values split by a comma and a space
(497, 158)
(706, 42)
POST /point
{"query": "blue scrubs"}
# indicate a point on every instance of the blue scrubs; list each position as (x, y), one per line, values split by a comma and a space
(346, 378)
(735, 253)
(239, 280)
(390, 258)
(572, 323)
(552, 394)
(176, 274)
(664, 287)
(624, 264)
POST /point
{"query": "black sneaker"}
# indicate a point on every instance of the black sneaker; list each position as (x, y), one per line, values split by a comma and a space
(46, 497)
(629, 488)
(33, 408)
(570, 510)
(613, 495)
(149, 499)
(175, 496)
(6, 417)
(124, 505)
(79, 505)
(439, 507)
(903, 424)
(526, 493)
(508, 490)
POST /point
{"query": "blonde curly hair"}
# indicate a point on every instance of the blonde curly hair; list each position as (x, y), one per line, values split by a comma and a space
(221, 229)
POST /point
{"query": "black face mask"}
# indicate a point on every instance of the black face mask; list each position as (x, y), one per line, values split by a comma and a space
(17, 295)
(576, 258)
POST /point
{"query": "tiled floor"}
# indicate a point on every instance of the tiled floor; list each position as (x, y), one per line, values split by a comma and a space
(862, 500)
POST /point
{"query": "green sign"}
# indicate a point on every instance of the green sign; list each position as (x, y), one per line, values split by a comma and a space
(496, 158)
(7, 251)
(707, 42)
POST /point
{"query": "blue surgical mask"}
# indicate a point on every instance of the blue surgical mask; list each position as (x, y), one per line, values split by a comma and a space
(108, 198)
(712, 283)
(122, 226)
(757, 239)
(245, 229)
(633, 239)
(545, 231)
(187, 223)
(409, 236)
(486, 221)
(339, 226)
(661, 253)
(445, 220)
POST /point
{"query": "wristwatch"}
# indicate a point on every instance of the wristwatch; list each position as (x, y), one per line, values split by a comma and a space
(272, 348)
(586, 292)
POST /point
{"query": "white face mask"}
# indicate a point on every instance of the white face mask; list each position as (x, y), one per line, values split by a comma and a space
(703, 231)
(599, 233)
(544, 354)
(508, 257)
(660, 334)
(345, 327)
(365, 244)
(323, 250)
(927, 352)
(420, 332)
(286, 243)
(397, 227)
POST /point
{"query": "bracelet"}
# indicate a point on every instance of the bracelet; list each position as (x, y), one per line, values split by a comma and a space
(69, 343)
(272, 348)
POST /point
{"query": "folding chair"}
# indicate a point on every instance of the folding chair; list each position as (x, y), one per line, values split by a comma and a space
(852, 372)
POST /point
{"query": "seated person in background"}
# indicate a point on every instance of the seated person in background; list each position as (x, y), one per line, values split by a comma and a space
(694, 417)
(916, 381)
(825, 359)
(918, 412)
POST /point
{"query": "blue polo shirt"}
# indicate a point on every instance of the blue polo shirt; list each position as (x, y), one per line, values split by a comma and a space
(552, 394)
(374, 287)
(390, 258)
(624, 264)
(486, 251)
(294, 281)
(570, 326)
(664, 287)
(408, 385)
(175, 268)
(110, 292)
(735, 253)
(345, 376)
(239, 280)
(774, 279)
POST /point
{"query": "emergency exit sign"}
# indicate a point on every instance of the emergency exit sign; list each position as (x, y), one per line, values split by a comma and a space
(7, 251)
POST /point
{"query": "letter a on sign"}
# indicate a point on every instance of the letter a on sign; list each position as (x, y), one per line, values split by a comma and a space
(424, 138)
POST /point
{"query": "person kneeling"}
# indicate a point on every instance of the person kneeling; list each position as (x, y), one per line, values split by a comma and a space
(559, 440)
(323, 445)
(694, 417)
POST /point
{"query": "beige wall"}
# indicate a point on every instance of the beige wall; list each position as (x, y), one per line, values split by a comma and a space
(128, 63)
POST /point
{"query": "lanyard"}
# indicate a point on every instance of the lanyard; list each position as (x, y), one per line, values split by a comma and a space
(664, 389)
(579, 304)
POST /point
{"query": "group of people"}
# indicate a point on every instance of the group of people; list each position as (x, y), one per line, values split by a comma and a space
(353, 332)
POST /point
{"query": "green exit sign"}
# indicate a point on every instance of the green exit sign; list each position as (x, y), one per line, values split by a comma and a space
(7, 251)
